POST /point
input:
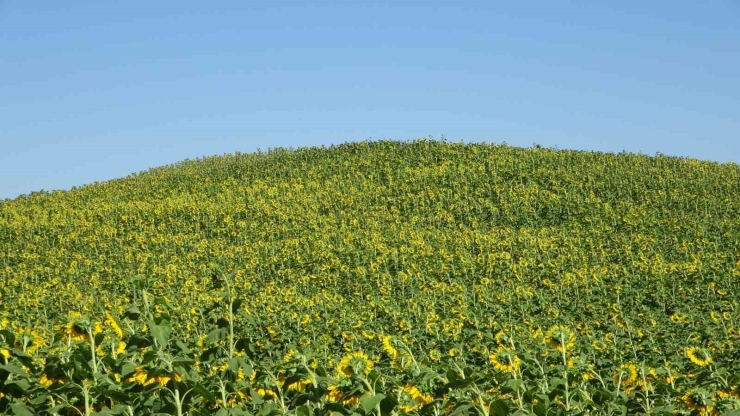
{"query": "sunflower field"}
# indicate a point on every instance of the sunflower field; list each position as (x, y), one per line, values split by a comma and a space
(378, 278)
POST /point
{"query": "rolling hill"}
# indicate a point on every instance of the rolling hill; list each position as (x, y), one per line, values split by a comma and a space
(378, 277)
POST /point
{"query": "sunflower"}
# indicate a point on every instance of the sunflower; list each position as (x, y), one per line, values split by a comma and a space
(141, 376)
(503, 338)
(699, 401)
(290, 356)
(599, 345)
(389, 348)
(698, 356)
(335, 395)
(729, 393)
(46, 381)
(298, 385)
(650, 376)
(357, 363)
(76, 333)
(413, 399)
(113, 324)
(627, 374)
(505, 360)
(560, 337)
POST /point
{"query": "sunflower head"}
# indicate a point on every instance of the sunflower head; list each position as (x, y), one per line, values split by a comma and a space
(505, 360)
(411, 398)
(389, 347)
(355, 363)
(503, 338)
(291, 355)
(560, 337)
(700, 401)
(626, 374)
(76, 329)
(699, 356)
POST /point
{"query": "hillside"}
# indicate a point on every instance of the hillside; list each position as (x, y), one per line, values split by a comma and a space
(486, 276)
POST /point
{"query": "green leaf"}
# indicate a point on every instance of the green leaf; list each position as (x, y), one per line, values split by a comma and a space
(138, 341)
(21, 409)
(235, 305)
(215, 335)
(128, 368)
(514, 385)
(161, 331)
(669, 410)
(371, 402)
(13, 369)
(267, 409)
(234, 364)
(184, 348)
(556, 381)
(499, 408)
(132, 313)
(459, 384)
(461, 410)
(303, 410)
(16, 388)
(41, 398)
(205, 393)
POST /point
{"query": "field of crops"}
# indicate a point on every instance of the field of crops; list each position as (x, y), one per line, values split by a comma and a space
(378, 278)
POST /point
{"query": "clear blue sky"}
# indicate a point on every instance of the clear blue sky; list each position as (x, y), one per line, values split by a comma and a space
(94, 90)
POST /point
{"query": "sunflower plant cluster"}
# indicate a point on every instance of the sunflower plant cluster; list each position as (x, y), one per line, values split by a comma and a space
(384, 278)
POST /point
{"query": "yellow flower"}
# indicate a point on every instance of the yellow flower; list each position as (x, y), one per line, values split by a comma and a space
(75, 333)
(699, 401)
(698, 356)
(301, 385)
(334, 394)
(45, 381)
(503, 338)
(599, 345)
(140, 376)
(4, 352)
(389, 348)
(412, 398)
(627, 374)
(732, 393)
(162, 380)
(505, 360)
(290, 355)
(113, 324)
(357, 363)
(560, 337)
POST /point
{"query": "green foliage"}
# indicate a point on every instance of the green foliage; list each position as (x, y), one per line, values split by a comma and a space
(378, 278)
